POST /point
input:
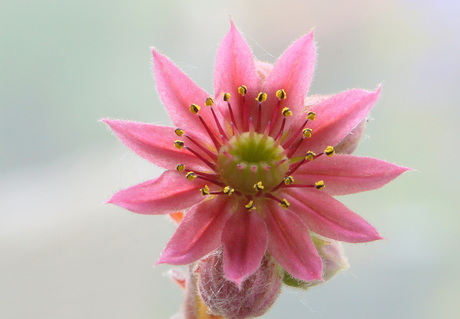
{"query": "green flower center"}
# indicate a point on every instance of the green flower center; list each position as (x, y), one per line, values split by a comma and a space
(252, 162)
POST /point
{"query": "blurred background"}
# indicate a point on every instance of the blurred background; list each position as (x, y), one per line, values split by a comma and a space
(66, 64)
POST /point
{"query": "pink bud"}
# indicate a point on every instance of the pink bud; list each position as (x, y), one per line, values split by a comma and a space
(223, 297)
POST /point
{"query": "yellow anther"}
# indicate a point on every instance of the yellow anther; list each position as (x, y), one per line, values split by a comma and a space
(258, 186)
(205, 190)
(286, 112)
(179, 131)
(307, 132)
(250, 205)
(288, 180)
(319, 184)
(261, 97)
(190, 176)
(228, 190)
(179, 144)
(180, 167)
(243, 90)
(311, 116)
(281, 94)
(329, 151)
(284, 203)
(194, 108)
(209, 101)
(310, 156)
(226, 96)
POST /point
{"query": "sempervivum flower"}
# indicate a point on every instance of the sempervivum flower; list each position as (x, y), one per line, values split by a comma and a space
(252, 169)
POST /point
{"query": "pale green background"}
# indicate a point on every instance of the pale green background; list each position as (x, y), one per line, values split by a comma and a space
(66, 64)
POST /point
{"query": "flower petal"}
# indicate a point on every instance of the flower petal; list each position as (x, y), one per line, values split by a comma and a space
(178, 92)
(292, 72)
(336, 117)
(154, 143)
(348, 174)
(199, 232)
(245, 242)
(235, 67)
(290, 244)
(168, 193)
(329, 217)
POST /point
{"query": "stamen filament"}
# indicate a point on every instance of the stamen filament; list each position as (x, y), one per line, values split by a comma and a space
(211, 165)
(281, 131)
(219, 127)
(294, 136)
(292, 150)
(208, 152)
(213, 138)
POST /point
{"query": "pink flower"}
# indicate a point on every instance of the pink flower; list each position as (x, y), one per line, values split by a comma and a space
(251, 167)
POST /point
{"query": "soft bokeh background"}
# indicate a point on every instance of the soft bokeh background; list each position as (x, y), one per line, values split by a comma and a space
(66, 64)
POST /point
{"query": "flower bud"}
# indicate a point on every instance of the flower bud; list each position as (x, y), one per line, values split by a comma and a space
(223, 297)
(334, 261)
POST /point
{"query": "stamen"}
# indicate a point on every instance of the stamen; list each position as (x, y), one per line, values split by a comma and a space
(250, 206)
(179, 132)
(228, 190)
(261, 97)
(226, 97)
(286, 112)
(209, 101)
(281, 94)
(311, 116)
(180, 167)
(190, 176)
(288, 180)
(243, 90)
(310, 156)
(329, 151)
(205, 190)
(284, 203)
(307, 132)
(179, 144)
(194, 108)
(258, 186)
(319, 184)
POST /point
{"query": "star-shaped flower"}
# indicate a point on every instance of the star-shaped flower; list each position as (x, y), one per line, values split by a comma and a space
(254, 166)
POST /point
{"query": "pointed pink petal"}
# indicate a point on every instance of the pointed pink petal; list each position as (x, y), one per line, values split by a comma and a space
(199, 232)
(235, 67)
(178, 92)
(245, 242)
(155, 144)
(292, 72)
(290, 244)
(348, 174)
(329, 217)
(168, 193)
(336, 117)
